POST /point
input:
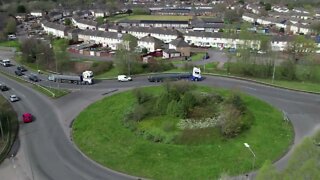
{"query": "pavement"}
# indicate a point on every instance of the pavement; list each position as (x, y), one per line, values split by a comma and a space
(47, 151)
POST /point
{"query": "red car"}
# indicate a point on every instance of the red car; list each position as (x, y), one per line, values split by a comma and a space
(27, 117)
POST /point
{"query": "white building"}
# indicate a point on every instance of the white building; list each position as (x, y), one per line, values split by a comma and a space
(54, 29)
(36, 13)
(150, 43)
(249, 17)
(164, 34)
(107, 39)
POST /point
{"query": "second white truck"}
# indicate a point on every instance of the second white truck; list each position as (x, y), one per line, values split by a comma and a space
(85, 78)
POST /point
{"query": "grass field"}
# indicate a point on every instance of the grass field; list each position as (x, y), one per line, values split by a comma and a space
(99, 133)
(14, 44)
(148, 17)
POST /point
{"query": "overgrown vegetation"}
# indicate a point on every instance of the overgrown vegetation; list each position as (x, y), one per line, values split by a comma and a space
(8, 127)
(303, 163)
(191, 110)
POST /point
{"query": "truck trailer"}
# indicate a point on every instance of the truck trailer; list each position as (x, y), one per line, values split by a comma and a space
(194, 76)
(85, 78)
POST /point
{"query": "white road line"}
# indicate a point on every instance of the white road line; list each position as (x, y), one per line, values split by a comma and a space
(249, 88)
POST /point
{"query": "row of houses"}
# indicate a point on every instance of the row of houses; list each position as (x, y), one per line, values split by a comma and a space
(154, 38)
(288, 24)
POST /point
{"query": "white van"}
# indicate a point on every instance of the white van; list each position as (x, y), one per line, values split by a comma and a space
(124, 78)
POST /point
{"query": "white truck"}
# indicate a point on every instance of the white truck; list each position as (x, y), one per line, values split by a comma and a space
(85, 78)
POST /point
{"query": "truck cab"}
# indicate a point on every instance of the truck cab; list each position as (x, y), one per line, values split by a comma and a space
(87, 77)
(196, 74)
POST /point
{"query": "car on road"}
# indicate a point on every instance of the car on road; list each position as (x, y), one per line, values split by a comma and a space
(5, 62)
(124, 78)
(21, 68)
(34, 78)
(3, 87)
(26, 117)
(18, 73)
(261, 52)
(14, 98)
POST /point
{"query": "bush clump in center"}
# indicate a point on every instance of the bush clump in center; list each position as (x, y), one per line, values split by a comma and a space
(183, 113)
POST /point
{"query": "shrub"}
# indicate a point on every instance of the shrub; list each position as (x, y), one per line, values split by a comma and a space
(138, 113)
(176, 109)
(142, 96)
(168, 126)
(101, 67)
(188, 66)
(237, 102)
(230, 121)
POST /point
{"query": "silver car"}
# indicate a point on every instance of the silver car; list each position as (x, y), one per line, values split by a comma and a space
(14, 98)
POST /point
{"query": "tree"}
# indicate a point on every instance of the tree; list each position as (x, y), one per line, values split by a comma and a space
(133, 41)
(67, 22)
(21, 9)
(316, 27)
(100, 20)
(231, 16)
(11, 26)
(299, 46)
(267, 7)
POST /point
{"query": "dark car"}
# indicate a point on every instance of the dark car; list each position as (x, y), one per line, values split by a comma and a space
(18, 73)
(206, 56)
(21, 68)
(3, 87)
(34, 78)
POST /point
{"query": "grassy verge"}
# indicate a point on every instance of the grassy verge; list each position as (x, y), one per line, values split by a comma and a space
(14, 44)
(105, 140)
(9, 124)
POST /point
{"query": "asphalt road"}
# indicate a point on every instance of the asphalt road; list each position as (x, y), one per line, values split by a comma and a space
(52, 155)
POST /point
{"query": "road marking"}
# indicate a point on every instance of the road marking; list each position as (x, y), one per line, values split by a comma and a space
(249, 88)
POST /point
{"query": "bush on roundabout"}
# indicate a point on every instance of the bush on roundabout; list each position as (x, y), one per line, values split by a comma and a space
(155, 146)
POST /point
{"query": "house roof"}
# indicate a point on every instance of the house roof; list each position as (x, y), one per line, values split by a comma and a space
(151, 39)
(85, 21)
(55, 26)
(179, 42)
(104, 34)
(153, 30)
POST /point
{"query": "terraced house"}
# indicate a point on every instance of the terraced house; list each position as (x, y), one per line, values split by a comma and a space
(55, 29)
(84, 23)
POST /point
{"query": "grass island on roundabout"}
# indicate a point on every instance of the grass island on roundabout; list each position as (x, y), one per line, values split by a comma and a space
(181, 131)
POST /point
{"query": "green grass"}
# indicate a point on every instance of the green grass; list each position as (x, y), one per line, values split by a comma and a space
(109, 74)
(148, 17)
(14, 44)
(99, 133)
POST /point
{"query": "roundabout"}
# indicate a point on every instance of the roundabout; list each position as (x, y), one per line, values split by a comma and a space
(100, 133)
(48, 138)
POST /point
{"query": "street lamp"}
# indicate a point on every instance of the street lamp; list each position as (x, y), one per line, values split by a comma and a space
(254, 156)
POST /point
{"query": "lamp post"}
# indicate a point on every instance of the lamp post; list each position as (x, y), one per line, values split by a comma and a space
(254, 156)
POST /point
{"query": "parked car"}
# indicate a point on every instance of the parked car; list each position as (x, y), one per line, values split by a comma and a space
(261, 52)
(14, 98)
(27, 117)
(124, 78)
(3, 87)
(21, 68)
(34, 78)
(18, 72)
